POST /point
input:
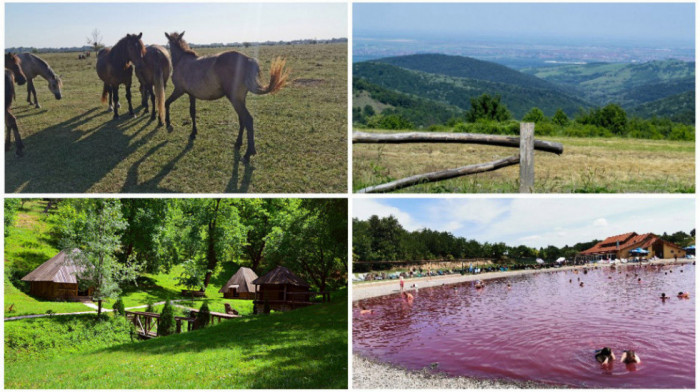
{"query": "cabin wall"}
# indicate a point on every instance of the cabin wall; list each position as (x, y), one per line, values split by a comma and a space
(239, 295)
(56, 291)
(275, 294)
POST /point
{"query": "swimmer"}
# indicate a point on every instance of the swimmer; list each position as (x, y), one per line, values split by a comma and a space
(408, 297)
(401, 282)
(685, 295)
(604, 355)
(508, 286)
(629, 357)
(664, 297)
(569, 280)
(479, 284)
(581, 284)
(639, 280)
(364, 310)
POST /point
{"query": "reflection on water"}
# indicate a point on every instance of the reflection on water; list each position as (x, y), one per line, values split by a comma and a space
(545, 327)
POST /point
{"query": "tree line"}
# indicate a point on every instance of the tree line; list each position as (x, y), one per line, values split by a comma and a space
(384, 239)
(122, 238)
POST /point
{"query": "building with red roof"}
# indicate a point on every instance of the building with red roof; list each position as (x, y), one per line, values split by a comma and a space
(619, 247)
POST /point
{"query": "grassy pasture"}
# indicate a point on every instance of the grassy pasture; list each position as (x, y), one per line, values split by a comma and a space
(73, 145)
(588, 165)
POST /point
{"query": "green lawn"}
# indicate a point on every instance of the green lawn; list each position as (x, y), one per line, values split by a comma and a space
(73, 145)
(305, 348)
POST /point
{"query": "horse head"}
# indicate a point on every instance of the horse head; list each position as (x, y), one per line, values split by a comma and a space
(12, 62)
(55, 85)
(135, 49)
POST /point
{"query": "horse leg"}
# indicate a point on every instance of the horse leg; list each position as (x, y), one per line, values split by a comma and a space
(177, 93)
(36, 100)
(193, 115)
(29, 91)
(153, 102)
(11, 122)
(246, 121)
(109, 98)
(128, 99)
(115, 97)
(8, 132)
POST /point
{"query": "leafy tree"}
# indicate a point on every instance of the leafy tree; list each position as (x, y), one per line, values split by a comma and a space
(203, 317)
(560, 118)
(118, 307)
(389, 121)
(487, 107)
(11, 208)
(535, 115)
(260, 219)
(193, 275)
(614, 118)
(368, 111)
(166, 323)
(205, 230)
(145, 217)
(93, 226)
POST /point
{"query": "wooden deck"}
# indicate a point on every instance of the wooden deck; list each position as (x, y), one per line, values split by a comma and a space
(147, 323)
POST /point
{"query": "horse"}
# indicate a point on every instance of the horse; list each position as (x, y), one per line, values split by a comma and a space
(87, 54)
(13, 73)
(114, 67)
(155, 72)
(230, 74)
(81, 57)
(33, 66)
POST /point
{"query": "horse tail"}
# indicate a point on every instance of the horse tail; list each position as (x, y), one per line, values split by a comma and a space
(159, 87)
(105, 91)
(278, 77)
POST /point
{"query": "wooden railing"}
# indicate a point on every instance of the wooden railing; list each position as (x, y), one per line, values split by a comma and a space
(526, 157)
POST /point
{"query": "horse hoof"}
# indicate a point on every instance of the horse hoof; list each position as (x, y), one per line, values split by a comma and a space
(115, 117)
(19, 153)
(245, 159)
(238, 145)
(193, 136)
(37, 106)
(170, 128)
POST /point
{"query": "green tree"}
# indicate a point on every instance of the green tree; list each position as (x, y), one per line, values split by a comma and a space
(11, 209)
(487, 107)
(560, 118)
(192, 276)
(203, 316)
(118, 307)
(166, 323)
(368, 111)
(614, 118)
(94, 226)
(145, 217)
(535, 115)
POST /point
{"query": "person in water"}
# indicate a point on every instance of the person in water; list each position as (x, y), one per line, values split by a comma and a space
(401, 282)
(581, 284)
(685, 295)
(364, 310)
(664, 297)
(479, 284)
(604, 356)
(630, 357)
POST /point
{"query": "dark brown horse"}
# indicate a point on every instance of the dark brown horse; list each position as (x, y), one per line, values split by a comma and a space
(154, 73)
(13, 73)
(228, 74)
(114, 67)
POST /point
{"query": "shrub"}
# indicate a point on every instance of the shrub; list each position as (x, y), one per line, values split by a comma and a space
(166, 324)
(535, 115)
(118, 307)
(149, 307)
(203, 316)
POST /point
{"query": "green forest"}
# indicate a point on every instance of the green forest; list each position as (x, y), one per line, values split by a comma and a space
(439, 93)
(385, 240)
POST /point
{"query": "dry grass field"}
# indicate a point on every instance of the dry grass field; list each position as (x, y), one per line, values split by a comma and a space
(588, 165)
(73, 145)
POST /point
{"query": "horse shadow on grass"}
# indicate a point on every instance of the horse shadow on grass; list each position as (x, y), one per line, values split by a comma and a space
(233, 186)
(64, 159)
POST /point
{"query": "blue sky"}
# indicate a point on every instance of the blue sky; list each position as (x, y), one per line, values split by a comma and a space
(639, 22)
(535, 222)
(68, 24)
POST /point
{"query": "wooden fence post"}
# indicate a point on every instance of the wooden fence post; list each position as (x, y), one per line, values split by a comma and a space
(527, 157)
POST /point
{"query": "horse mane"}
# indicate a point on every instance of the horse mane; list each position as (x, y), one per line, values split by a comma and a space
(43, 64)
(119, 49)
(185, 47)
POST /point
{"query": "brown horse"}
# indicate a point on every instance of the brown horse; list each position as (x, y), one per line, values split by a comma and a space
(33, 66)
(230, 74)
(13, 73)
(155, 72)
(114, 68)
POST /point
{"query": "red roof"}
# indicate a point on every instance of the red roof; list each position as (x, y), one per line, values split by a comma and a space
(625, 241)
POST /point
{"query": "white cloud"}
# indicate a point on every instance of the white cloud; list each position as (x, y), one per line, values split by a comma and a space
(600, 222)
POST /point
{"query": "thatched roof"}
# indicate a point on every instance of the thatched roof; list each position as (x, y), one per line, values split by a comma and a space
(242, 280)
(58, 269)
(281, 275)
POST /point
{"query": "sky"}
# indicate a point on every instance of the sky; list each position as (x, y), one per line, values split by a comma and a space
(51, 25)
(535, 222)
(640, 22)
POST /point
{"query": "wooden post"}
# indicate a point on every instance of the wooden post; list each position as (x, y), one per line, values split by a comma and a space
(527, 157)
(178, 325)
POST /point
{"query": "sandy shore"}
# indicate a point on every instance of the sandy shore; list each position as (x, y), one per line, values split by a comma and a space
(386, 287)
(370, 374)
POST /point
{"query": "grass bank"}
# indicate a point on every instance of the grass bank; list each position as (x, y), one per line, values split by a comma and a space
(305, 348)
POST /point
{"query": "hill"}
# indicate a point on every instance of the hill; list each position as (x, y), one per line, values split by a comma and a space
(305, 348)
(626, 84)
(679, 108)
(457, 91)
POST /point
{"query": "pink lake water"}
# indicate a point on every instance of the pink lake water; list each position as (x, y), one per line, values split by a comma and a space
(543, 328)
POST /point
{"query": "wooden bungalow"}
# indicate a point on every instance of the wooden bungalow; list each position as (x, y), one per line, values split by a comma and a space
(620, 247)
(240, 285)
(281, 290)
(56, 279)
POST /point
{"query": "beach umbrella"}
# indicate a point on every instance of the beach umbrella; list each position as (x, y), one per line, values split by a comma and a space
(539, 261)
(639, 251)
(691, 247)
(561, 260)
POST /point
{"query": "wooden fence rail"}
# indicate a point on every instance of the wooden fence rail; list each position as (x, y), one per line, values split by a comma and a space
(526, 158)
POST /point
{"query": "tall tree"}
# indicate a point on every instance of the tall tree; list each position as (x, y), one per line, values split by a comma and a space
(486, 107)
(94, 227)
(145, 217)
(261, 219)
(11, 209)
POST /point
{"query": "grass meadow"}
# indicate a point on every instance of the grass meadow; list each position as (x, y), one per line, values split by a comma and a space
(74, 146)
(588, 165)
